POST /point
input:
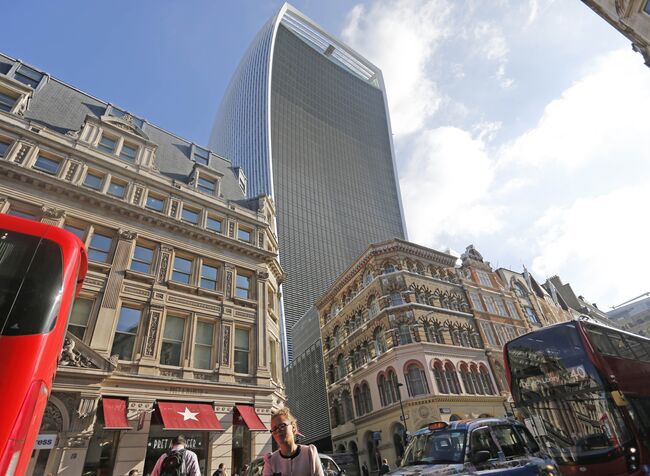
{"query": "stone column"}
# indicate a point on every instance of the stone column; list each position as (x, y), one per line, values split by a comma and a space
(76, 439)
(132, 449)
(53, 216)
(106, 319)
(262, 370)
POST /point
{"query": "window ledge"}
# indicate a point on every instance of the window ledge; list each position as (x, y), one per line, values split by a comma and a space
(140, 276)
(208, 292)
(245, 301)
(96, 265)
(188, 288)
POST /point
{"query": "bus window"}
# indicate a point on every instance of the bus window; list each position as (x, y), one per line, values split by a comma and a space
(621, 347)
(600, 340)
(637, 347)
(31, 282)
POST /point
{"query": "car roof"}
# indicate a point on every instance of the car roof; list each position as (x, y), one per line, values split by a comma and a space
(469, 425)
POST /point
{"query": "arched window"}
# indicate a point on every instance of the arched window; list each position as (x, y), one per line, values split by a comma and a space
(464, 339)
(393, 389)
(380, 346)
(366, 397)
(396, 299)
(373, 307)
(346, 401)
(432, 335)
(452, 378)
(416, 380)
(487, 381)
(520, 291)
(476, 340)
(405, 334)
(331, 374)
(357, 401)
(340, 367)
(389, 268)
(367, 278)
(336, 417)
(438, 374)
(467, 382)
(334, 310)
(422, 298)
(381, 386)
(476, 379)
(336, 336)
(455, 337)
(419, 269)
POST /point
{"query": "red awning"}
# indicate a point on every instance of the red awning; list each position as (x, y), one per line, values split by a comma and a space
(188, 416)
(248, 414)
(115, 414)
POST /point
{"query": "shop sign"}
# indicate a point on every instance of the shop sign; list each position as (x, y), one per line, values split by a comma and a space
(193, 443)
(45, 442)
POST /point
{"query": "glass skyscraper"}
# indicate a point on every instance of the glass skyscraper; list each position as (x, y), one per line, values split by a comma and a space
(306, 118)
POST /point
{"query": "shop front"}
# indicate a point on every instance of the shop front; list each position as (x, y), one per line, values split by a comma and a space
(194, 421)
(246, 423)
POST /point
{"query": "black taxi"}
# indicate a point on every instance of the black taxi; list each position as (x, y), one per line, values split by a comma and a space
(494, 446)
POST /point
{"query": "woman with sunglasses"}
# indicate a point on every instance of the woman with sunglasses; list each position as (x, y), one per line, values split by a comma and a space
(291, 458)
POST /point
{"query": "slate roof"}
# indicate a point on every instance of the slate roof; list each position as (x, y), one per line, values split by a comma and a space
(63, 108)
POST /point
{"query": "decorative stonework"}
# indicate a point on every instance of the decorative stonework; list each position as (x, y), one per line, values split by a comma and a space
(229, 278)
(53, 213)
(52, 419)
(260, 238)
(22, 153)
(262, 275)
(137, 195)
(136, 291)
(225, 358)
(191, 303)
(127, 235)
(73, 358)
(231, 229)
(165, 256)
(70, 174)
(173, 212)
(150, 343)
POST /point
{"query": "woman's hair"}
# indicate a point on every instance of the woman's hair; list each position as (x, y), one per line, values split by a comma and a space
(285, 412)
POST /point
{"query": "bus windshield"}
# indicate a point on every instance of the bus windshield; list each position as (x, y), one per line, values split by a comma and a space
(554, 381)
(31, 283)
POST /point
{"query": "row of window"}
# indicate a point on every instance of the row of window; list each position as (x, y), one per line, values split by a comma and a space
(118, 188)
(498, 334)
(476, 381)
(174, 337)
(368, 277)
(493, 305)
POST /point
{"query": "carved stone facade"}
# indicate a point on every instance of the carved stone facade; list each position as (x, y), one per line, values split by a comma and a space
(158, 316)
(630, 17)
(398, 326)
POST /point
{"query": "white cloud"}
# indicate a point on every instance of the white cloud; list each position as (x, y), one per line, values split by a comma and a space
(599, 116)
(401, 37)
(598, 244)
(448, 175)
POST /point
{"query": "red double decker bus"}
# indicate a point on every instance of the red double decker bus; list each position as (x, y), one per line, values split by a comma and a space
(42, 268)
(584, 389)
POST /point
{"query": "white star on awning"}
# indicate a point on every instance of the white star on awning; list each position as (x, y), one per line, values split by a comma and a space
(188, 415)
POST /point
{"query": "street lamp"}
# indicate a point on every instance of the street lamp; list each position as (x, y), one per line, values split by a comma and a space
(399, 396)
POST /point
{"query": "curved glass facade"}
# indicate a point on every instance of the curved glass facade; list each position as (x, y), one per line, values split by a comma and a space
(329, 156)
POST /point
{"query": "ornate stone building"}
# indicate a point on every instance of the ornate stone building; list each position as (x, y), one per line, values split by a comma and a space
(498, 313)
(538, 305)
(630, 17)
(179, 313)
(398, 331)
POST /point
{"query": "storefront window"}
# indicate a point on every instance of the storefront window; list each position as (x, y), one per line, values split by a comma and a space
(102, 448)
(241, 447)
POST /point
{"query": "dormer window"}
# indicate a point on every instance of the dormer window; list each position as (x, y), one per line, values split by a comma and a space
(117, 112)
(107, 144)
(200, 156)
(114, 145)
(28, 76)
(128, 153)
(7, 102)
(206, 185)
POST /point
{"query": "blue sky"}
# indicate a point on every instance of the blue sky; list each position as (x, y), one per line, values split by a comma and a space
(519, 125)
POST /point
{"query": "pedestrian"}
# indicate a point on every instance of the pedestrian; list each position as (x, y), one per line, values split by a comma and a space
(385, 469)
(178, 461)
(364, 469)
(244, 470)
(291, 458)
(134, 472)
(221, 470)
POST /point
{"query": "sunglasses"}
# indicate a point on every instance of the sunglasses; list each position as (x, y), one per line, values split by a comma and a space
(280, 427)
